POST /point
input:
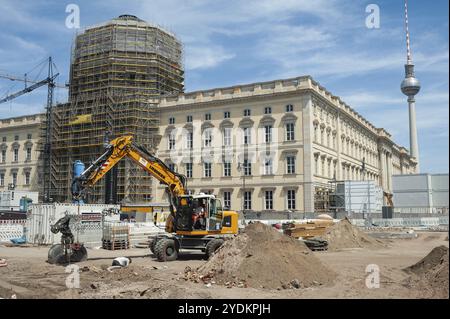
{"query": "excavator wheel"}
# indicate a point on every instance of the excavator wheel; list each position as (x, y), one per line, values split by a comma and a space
(166, 250)
(153, 245)
(212, 246)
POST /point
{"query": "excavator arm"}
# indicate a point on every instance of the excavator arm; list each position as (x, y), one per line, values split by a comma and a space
(125, 147)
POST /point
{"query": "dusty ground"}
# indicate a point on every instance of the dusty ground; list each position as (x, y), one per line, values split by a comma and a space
(29, 276)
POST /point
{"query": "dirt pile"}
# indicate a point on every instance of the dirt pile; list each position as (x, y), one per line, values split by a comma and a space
(344, 235)
(431, 273)
(263, 257)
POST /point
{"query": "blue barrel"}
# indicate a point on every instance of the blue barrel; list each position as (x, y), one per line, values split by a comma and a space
(24, 203)
(78, 168)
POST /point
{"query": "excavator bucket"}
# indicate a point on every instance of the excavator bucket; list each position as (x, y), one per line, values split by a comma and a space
(57, 254)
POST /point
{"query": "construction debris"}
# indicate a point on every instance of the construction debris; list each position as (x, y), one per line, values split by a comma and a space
(3, 263)
(431, 273)
(262, 257)
(121, 261)
(344, 235)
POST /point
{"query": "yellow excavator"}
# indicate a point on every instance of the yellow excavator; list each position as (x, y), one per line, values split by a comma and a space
(183, 231)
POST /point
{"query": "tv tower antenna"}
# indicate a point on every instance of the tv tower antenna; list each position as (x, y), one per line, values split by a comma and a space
(410, 87)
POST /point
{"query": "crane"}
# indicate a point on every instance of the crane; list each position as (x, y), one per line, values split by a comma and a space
(29, 88)
(50, 82)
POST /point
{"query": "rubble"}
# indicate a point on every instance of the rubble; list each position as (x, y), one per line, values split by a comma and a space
(431, 273)
(344, 235)
(262, 257)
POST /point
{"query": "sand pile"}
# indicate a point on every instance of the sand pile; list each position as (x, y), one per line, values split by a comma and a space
(264, 257)
(344, 235)
(431, 272)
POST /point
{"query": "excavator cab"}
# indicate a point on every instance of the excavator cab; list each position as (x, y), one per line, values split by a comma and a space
(189, 206)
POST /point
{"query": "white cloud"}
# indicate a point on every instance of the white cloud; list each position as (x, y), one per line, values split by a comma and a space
(203, 57)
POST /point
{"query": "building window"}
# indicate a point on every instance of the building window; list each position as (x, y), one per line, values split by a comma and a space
(227, 136)
(289, 108)
(16, 138)
(247, 112)
(207, 169)
(4, 139)
(247, 167)
(207, 138)
(268, 200)
(171, 167)
(190, 140)
(290, 132)
(247, 200)
(189, 170)
(171, 142)
(323, 167)
(27, 178)
(268, 167)
(247, 135)
(268, 133)
(14, 178)
(29, 136)
(28, 154)
(208, 117)
(315, 133)
(268, 110)
(227, 199)
(2, 179)
(226, 169)
(3, 156)
(16, 155)
(171, 120)
(291, 199)
(290, 164)
(226, 115)
(189, 119)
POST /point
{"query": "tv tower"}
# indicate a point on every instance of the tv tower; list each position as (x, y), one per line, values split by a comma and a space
(410, 87)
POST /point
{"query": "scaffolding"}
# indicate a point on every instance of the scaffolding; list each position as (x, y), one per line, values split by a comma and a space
(115, 69)
(322, 197)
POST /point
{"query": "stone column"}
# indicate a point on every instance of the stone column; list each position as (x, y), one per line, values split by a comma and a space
(308, 156)
(383, 169)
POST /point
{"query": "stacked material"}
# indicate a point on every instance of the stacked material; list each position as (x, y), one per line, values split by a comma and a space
(312, 228)
(116, 236)
(263, 257)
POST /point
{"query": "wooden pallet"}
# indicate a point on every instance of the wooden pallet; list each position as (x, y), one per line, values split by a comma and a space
(115, 244)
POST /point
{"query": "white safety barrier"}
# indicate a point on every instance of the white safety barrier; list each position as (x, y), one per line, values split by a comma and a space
(87, 227)
(405, 222)
(11, 229)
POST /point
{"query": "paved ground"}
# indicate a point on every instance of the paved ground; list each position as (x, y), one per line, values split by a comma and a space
(29, 276)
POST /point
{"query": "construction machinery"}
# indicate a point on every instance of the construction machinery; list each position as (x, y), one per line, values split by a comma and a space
(182, 229)
(69, 250)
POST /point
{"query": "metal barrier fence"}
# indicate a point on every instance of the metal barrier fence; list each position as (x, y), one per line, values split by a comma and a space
(11, 229)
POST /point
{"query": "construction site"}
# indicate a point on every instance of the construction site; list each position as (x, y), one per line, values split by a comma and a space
(112, 218)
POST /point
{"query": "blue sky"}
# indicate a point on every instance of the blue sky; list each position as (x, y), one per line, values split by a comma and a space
(232, 42)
